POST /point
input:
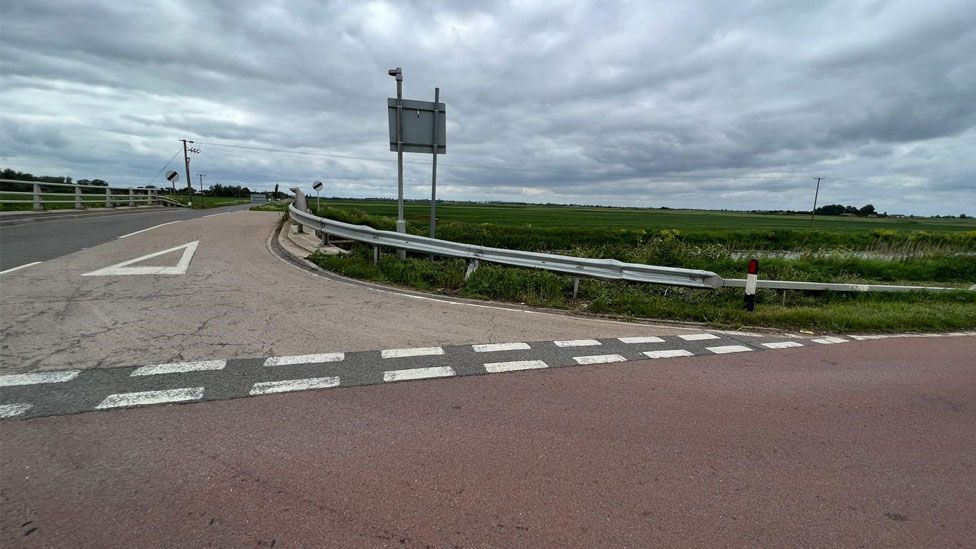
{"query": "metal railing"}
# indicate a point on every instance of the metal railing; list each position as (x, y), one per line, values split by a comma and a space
(42, 193)
(603, 269)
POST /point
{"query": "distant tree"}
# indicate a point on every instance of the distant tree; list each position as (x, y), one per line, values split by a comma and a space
(866, 210)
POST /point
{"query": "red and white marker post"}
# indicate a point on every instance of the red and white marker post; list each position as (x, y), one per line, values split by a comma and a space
(752, 280)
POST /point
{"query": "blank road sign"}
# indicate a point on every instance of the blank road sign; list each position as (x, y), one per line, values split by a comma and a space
(418, 126)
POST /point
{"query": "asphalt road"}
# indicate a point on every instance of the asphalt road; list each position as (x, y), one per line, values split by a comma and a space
(237, 300)
(26, 238)
(862, 444)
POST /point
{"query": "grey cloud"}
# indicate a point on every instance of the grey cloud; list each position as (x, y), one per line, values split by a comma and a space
(595, 96)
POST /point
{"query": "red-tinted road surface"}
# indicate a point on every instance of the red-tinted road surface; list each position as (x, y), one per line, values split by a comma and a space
(869, 443)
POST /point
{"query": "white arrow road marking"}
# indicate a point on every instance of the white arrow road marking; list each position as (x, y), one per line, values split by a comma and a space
(121, 269)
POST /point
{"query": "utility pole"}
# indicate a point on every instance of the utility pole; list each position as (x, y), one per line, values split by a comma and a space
(186, 161)
(202, 175)
(813, 212)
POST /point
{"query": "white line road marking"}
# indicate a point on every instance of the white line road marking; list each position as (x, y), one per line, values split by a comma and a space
(38, 377)
(492, 347)
(221, 213)
(120, 269)
(304, 359)
(599, 359)
(668, 353)
(577, 343)
(121, 400)
(725, 349)
(11, 410)
(416, 351)
(698, 337)
(20, 267)
(179, 367)
(497, 367)
(289, 385)
(782, 344)
(829, 340)
(149, 229)
(418, 373)
(644, 339)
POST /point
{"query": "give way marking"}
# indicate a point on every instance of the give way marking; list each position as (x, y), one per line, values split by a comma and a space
(121, 269)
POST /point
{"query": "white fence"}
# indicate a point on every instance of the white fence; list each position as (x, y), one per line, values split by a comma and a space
(43, 193)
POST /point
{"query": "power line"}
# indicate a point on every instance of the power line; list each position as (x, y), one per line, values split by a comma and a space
(501, 168)
(164, 166)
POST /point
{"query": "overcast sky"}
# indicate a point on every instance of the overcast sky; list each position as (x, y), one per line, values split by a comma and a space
(684, 104)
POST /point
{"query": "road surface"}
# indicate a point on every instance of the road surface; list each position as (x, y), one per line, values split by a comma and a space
(26, 238)
(421, 421)
(867, 443)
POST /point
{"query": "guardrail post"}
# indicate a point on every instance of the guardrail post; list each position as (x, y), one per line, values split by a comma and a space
(78, 204)
(38, 205)
(752, 279)
(108, 197)
(376, 255)
(575, 286)
(132, 198)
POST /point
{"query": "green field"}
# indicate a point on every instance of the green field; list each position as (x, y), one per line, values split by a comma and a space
(204, 202)
(643, 218)
(924, 251)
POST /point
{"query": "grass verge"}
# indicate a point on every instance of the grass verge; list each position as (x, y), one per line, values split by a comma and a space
(815, 311)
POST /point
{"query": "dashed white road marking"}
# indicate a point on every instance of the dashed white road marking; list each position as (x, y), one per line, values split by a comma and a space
(416, 351)
(599, 359)
(11, 410)
(149, 229)
(25, 265)
(642, 339)
(289, 385)
(829, 340)
(668, 353)
(577, 343)
(725, 349)
(179, 367)
(121, 400)
(492, 347)
(214, 215)
(38, 377)
(418, 373)
(698, 337)
(782, 344)
(515, 365)
(304, 359)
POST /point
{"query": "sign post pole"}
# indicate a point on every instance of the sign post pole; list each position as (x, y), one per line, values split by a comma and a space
(401, 223)
(433, 173)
